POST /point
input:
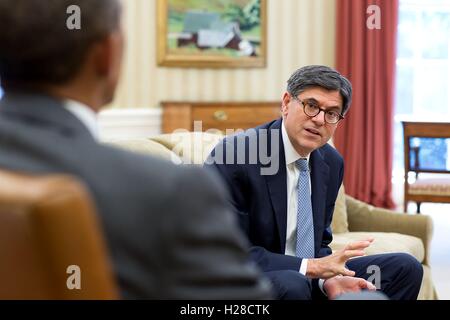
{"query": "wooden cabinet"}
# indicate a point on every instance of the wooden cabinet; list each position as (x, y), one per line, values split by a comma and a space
(217, 115)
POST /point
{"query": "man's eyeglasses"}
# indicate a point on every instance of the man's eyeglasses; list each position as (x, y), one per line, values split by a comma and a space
(311, 109)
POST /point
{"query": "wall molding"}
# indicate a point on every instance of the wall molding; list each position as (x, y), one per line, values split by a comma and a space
(121, 124)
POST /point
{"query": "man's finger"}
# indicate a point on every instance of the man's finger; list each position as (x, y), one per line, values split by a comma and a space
(346, 272)
(358, 245)
(371, 286)
(353, 253)
(364, 284)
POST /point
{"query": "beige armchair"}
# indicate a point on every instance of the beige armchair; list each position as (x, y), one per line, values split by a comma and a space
(353, 219)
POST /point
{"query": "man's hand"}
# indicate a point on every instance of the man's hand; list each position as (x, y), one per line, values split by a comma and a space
(338, 285)
(334, 264)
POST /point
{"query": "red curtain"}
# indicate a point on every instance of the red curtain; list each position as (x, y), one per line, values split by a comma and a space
(367, 57)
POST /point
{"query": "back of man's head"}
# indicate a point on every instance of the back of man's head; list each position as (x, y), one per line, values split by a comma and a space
(36, 44)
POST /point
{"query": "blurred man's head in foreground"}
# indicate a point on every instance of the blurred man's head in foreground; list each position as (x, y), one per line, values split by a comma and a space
(39, 49)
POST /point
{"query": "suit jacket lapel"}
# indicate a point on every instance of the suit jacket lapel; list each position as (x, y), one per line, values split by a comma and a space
(319, 185)
(277, 187)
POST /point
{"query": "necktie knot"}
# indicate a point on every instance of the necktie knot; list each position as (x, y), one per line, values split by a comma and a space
(302, 164)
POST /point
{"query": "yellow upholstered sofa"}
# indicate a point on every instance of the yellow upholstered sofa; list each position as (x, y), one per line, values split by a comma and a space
(353, 219)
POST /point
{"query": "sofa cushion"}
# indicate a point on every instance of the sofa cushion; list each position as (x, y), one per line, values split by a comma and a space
(191, 147)
(339, 224)
(146, 146)
(385, 242)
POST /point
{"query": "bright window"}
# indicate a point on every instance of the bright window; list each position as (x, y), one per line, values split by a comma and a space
(423, 69)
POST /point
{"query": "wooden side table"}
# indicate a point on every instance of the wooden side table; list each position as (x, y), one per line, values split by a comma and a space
(217, 115)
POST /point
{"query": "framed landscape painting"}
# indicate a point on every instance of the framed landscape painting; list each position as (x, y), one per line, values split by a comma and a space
(211, 33)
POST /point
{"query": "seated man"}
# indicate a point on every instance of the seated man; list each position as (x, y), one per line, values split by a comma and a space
(168, 229)
(284, 178)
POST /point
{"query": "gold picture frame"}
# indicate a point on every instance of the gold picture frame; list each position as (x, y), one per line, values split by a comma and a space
(212, 33)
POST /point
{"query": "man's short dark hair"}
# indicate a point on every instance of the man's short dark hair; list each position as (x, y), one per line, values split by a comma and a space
(36, 46)
(321, 76)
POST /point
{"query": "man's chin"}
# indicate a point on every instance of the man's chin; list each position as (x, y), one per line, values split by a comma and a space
(310, 146)
(312, 142)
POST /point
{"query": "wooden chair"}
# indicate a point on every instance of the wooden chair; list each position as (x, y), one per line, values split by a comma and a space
(49, 229)
(431, 183)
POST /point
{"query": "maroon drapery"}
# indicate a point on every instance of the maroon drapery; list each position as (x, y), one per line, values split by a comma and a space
(367, 57)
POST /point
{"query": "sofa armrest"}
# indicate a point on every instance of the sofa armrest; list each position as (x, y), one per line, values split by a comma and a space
(365, 217)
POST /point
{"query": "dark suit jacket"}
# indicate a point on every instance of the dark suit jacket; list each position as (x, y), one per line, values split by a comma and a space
(169, 233)
(260, 201)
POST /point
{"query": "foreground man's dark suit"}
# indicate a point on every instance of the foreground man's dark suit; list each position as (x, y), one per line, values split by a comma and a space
(260, 202)
(169, 233)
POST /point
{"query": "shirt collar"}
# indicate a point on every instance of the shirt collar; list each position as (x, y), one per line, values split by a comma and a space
(85, 114)
(290, 153)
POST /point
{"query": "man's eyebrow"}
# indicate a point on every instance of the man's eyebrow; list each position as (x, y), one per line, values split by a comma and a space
(317, 102)
(312, 100)
(334, 107)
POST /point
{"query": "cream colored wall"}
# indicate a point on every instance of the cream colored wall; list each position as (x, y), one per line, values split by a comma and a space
(299, 32)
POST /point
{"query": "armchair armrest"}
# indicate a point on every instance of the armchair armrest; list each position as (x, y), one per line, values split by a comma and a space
(365, 217)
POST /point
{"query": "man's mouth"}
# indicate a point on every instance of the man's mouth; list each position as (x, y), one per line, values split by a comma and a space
(313, 131)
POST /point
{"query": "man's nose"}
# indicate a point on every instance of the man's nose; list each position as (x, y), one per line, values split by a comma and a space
(320, 117)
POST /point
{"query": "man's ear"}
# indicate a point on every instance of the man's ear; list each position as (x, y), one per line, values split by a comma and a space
(103, 56)
(285, 103)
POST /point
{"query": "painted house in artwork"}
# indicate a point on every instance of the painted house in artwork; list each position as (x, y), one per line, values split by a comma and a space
(207, 30)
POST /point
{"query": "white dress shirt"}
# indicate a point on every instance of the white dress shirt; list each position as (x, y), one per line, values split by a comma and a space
(85, 114)
(292, 176)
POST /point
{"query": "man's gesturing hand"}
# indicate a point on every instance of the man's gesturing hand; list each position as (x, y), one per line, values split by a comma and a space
(334, 264)
(336, 286)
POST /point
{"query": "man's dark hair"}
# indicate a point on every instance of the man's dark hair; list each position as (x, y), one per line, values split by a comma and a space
(36, 46)
(320, 76)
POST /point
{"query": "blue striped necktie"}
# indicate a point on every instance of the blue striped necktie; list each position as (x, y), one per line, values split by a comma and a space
(305, 225)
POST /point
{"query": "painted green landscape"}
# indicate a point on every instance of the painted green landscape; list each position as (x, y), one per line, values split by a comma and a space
(215, 27)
